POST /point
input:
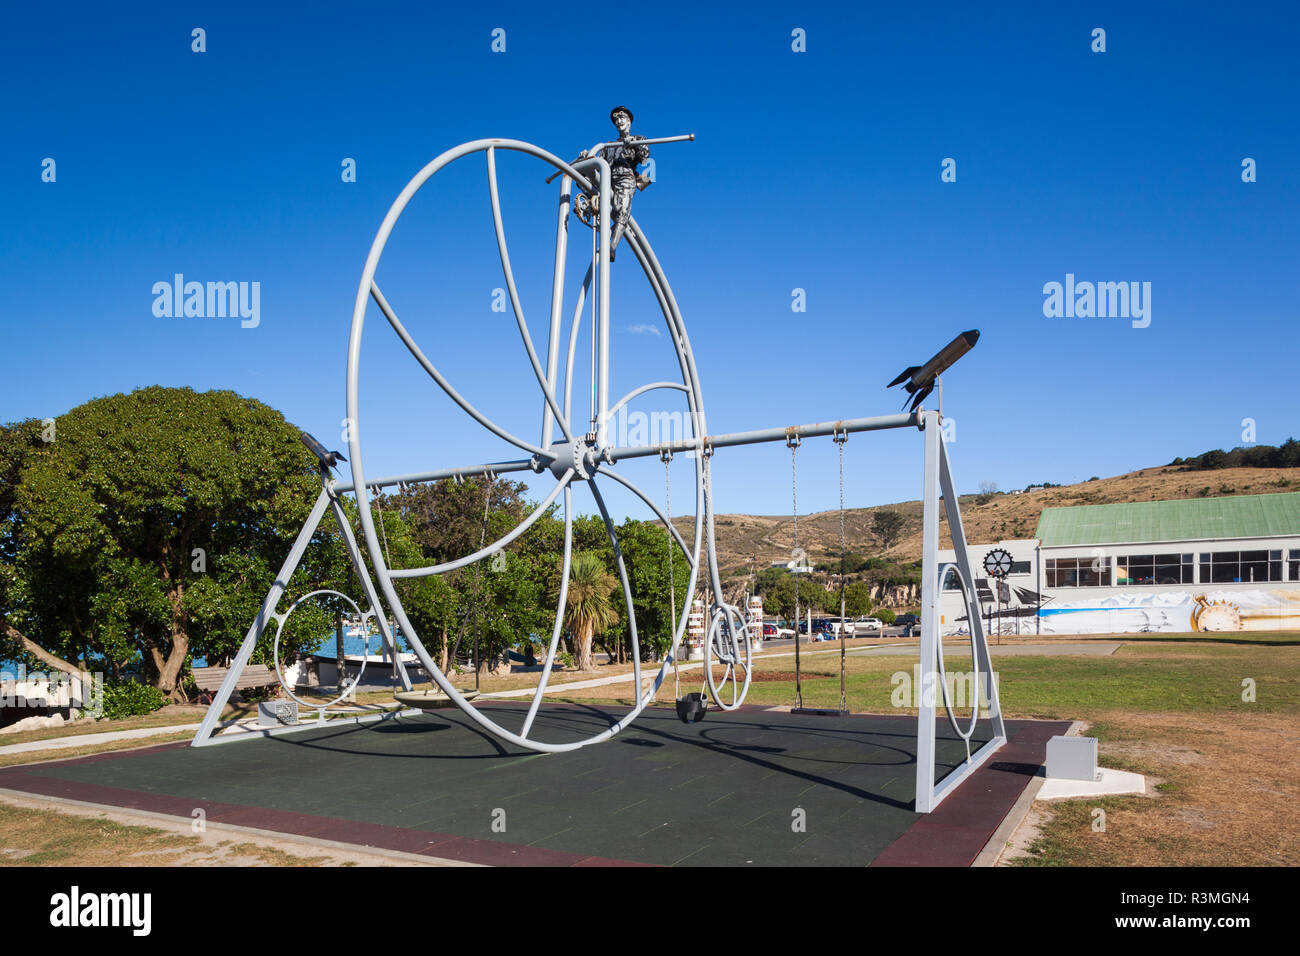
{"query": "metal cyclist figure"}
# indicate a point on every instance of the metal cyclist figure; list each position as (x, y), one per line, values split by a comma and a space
(623, 158)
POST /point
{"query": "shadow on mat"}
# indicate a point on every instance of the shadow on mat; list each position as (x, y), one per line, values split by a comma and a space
(398, 725)
(707, 738)
(585, 719)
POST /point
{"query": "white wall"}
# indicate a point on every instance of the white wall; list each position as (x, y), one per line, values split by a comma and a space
(1170, 608)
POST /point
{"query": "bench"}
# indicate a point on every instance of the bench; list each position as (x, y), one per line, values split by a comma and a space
(209, 679)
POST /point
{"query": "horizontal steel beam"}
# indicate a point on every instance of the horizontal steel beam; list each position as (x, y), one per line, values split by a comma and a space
(469, 471)
(847, 425)
(877, 423)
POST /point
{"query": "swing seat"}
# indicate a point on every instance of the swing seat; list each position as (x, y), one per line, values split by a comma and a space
(429, 699)
(692, 708)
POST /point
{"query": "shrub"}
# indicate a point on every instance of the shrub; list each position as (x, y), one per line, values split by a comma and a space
(259, 695)
(131, 699)
(885, 615)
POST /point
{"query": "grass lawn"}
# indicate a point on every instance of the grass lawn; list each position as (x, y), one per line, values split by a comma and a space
(33, 836)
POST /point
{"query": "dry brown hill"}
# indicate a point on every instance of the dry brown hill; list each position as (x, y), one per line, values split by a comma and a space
(758, 540)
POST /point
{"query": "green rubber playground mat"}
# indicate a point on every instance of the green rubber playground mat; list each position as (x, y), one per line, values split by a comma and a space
(745, 788)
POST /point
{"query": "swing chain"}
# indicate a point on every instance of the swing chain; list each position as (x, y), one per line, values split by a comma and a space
(707, 454)
(667, 456)
(478, 568)
(376, 491)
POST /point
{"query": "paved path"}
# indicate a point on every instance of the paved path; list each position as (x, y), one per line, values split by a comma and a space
(89, 740)
(1090, 648)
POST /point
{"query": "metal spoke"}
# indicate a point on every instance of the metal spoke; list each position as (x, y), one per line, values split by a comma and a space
(573, 342)
(641, 390)
(668, 306)
(557, 302)
(559, 613)
(627, 588)
(653, 506)
(447, 387)
(495, 545)
(514, 294)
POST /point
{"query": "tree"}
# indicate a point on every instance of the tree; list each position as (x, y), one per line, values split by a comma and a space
(150, 528)
(781, 597)
(431, 602)
(768, 578)
(987, 490)
(447, 516)
(499, 602)
(589, 609)
(857, 599)
(19, 444)
(887, 526)
(645, 546)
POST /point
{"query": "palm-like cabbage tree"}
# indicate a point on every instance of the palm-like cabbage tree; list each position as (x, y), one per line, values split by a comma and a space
(589, 609)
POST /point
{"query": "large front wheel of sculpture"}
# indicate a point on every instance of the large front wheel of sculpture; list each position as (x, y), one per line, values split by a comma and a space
(573, 457)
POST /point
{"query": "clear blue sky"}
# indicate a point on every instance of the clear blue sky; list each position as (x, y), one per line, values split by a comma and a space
(816, 170)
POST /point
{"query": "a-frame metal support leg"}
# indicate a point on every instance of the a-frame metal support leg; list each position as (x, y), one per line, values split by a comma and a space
(938, 480)
(273, 596)
(327, 499)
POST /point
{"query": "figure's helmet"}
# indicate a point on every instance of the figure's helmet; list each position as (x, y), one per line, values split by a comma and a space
(621, 109)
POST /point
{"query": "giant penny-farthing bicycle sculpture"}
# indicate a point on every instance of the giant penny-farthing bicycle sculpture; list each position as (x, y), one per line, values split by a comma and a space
(575, 454)
(586, 454)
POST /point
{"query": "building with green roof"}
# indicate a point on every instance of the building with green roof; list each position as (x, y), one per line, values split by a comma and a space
(1189, 519)
(1196, 564)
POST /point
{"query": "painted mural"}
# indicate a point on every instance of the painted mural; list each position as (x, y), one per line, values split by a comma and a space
(1175, 612)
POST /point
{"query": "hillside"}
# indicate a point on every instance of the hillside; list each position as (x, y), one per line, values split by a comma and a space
(758, 540)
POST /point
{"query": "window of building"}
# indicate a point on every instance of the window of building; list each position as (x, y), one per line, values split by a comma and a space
(1135, 569)
(1293, 559)
(1148, 569)
(1241, 567)
(1019, 567)
(1077, 572)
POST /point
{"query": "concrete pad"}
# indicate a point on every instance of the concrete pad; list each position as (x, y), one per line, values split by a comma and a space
(1109, 783)
(717, 793)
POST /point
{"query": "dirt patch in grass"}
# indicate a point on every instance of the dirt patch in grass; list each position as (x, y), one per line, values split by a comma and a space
(1225, 793)
(767, 677)
(37, 832)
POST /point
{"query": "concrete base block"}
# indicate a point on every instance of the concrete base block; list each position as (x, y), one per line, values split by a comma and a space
(1072, 758)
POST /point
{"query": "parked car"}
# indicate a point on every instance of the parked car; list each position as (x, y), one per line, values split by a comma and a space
(910, 623)
(868, 624)
(771, 632)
